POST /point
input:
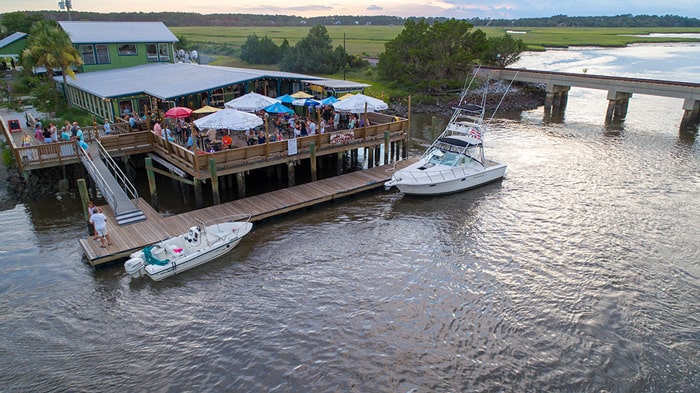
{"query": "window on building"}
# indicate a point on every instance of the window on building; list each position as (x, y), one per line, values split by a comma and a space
(158, 52)
(163, 52)
(102, 54)
(88, 53)
(126, 49)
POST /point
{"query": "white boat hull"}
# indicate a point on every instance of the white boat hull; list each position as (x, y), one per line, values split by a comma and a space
(179, 254)
(413, 181)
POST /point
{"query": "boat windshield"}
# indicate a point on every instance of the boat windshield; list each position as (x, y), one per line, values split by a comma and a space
(447, 158)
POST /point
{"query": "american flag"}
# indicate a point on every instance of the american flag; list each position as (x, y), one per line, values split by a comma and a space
(475, 133)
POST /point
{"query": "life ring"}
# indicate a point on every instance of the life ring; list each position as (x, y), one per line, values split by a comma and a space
(226, 140)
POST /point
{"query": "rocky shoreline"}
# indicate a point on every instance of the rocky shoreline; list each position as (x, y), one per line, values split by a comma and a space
(520, 97)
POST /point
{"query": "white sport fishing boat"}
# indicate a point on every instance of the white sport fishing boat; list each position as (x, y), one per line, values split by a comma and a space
(455, 160)
(199, 245)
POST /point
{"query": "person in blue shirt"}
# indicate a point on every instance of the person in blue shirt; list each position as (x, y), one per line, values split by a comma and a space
(107, 127)
(65, 134)
(132, 122)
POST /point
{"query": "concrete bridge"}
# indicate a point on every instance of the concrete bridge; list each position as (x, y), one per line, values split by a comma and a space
(620, 90)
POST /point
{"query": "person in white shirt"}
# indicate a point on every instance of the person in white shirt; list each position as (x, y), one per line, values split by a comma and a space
(99, 220)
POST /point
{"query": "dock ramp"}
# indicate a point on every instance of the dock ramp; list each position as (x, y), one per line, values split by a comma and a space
(117, 190)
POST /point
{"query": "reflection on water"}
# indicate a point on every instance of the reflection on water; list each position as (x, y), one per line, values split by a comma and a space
(577, 272)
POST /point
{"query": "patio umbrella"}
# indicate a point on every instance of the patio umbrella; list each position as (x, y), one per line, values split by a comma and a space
(178, 112)
(206, 109)
(345, 96)
(356, 104)
(251, 102)
(329, 100)
(229, 119)
(278, 108)
(306, 102)
(285, 99)
(301, 94)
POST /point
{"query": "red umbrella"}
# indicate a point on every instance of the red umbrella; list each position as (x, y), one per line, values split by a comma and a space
(178, 112)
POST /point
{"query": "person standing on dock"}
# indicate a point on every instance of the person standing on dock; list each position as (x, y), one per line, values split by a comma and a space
(99, 220)
(92, 209)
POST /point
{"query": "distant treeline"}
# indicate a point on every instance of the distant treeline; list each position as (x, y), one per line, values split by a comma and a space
(194, 19)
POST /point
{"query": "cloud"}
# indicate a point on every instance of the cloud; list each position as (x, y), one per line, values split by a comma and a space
(374, 8)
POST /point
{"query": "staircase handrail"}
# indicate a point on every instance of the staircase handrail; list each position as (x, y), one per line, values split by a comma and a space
(101, 183)
(117, 172)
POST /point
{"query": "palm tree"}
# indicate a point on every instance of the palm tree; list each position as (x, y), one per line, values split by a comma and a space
(50, 47)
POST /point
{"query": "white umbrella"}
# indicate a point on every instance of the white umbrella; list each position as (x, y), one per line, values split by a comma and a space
(306, 102)
(229, 119)
(251, 102)
(356, 104)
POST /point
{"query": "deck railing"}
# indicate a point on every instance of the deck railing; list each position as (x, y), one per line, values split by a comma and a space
(122, 141)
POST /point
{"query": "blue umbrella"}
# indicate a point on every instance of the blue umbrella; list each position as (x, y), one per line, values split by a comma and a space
(286, 99)
(277, 108)
(306, 102)
(329, 100)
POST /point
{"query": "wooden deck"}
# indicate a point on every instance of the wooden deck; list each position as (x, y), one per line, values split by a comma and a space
(130, 238)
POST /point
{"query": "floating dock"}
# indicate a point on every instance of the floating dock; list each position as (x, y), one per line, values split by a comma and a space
(129, 238)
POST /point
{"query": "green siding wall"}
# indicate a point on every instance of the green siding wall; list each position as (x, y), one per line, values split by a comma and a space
(120, 61)
(14, 48)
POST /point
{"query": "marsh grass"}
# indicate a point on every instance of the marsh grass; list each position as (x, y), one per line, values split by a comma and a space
(369, 40)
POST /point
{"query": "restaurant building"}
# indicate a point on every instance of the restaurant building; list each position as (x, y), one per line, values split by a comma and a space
(132, 67)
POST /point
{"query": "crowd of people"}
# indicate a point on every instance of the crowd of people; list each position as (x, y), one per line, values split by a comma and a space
(51, 134)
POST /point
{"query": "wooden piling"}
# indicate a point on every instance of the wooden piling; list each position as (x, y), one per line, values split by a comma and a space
(151, 182)
(312, 159)
(214, 182)
(386, 147)
(84, 199)
(240, 184)
(291, 174)
(198, 193)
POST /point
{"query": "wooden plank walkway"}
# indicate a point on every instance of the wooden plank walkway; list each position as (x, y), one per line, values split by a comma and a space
(133, 237)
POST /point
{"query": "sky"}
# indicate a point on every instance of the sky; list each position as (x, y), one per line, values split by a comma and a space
(460, 9)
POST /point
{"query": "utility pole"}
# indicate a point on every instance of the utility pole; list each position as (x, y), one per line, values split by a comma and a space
(67, 5)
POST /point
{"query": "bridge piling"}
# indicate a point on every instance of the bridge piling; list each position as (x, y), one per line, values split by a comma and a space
(618, 103)
(555, 99)
(691, 115)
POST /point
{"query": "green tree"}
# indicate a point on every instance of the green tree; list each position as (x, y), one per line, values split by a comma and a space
(50, 47)
(313, 54)
(503, 51)
(20, 21)
(260, 50)
(182, 43)
(431, 57)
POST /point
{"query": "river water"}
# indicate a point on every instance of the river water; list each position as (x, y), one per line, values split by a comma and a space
(578, 272)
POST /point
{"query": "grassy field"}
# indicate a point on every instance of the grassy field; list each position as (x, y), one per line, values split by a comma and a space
(367, 40)
(370, 40)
